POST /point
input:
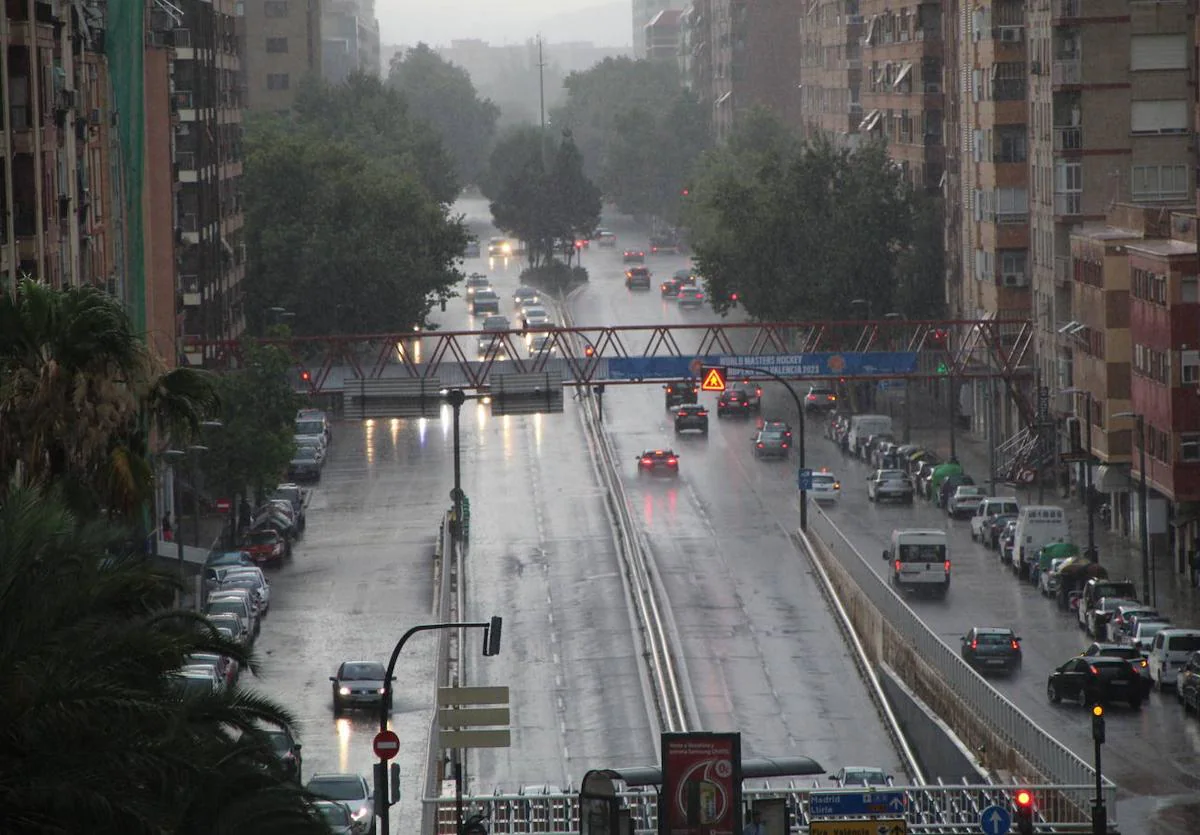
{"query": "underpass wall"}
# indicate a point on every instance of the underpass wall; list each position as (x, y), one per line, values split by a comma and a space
(886, 646)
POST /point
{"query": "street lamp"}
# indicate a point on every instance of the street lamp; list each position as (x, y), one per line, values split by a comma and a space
(1092, 554)
(800, 412)
(1148, 593)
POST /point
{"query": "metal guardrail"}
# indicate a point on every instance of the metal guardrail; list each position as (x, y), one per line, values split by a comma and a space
(443, 554)
(937, 810)
(1034, 743)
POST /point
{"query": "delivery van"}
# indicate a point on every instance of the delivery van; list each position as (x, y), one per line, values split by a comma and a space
(1169, 654)
(863, 427)
(920, 561)
(1037, 527)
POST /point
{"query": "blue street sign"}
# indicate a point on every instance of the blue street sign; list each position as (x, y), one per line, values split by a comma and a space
(807, 366)
(857, 804)
(995, 820)
(804, 479)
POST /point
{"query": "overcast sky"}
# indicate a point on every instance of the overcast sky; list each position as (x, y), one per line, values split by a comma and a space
(437, 22)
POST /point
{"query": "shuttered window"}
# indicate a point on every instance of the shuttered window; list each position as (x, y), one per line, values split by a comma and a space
(1160, 116)
(1158, 52)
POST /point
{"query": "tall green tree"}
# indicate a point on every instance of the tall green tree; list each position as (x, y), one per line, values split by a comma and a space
(346, 242)
(255, 444)
(442, 94)
(89, 645)
(82, 396)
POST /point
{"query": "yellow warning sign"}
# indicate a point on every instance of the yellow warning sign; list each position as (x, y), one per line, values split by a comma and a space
(878, 826)
(713, 380)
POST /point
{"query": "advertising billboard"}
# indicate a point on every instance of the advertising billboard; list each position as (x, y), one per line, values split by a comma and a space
(702, 784)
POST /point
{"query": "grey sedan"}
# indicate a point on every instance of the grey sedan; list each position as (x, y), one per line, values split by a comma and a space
(358, 684)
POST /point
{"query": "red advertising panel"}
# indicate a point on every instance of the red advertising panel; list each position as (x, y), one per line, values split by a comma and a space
(702, 784)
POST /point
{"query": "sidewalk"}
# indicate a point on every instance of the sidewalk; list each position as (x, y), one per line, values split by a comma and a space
(1176, 598)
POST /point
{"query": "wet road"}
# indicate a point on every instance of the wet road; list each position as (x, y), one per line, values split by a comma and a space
(1154, 752)
(763, 653)
(541, 556)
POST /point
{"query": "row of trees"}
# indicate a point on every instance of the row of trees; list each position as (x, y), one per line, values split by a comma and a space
(94, 738)
(348, 221)
(801, 230)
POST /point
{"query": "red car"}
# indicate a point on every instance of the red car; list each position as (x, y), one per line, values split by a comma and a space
(658, 462)
(266, 546)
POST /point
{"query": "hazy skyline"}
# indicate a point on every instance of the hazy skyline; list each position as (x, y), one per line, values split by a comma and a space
(603, 22)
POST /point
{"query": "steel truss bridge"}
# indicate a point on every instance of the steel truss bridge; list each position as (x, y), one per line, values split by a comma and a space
(627, 354)
(935, 809)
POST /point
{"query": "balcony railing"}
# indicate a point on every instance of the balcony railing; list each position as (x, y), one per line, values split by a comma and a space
(1068, 138)
(186, 160)
(1068, 203)
(188, 222)
(1067, 71)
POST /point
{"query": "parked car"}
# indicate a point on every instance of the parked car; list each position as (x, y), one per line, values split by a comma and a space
(964, 501)
(266, 546)
(304, 465)
(1187, 683)
(287, 748)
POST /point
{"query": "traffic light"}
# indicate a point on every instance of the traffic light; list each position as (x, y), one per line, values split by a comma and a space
(939, 337)
(1024, 818)
(1098, 724)
(588, 350)
(685, 192)
(305, 376)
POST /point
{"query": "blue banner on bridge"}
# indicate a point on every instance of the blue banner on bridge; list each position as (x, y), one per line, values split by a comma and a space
(846, 364)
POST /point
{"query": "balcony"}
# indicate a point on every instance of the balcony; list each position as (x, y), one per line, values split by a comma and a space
(1068, 203)
(186, 160)
(1066, 71)
(1008, 34)
(1069, 138)
(1064, 9)
(1062, 268)
(190, 287)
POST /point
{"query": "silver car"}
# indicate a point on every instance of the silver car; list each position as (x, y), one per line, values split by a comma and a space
(889, 485)
(772, 443)
(358, 684)
(351, 791)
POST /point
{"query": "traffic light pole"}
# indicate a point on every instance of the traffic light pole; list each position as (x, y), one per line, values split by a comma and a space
(799, 411)
(1099, 810)
(491, 646)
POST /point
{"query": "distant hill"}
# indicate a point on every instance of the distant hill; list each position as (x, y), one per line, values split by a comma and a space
(605, 24)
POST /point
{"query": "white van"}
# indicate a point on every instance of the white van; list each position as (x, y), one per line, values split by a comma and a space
(863, 427)
(1037, 527)
(1170, 653)
(920, 560)
(989, 509)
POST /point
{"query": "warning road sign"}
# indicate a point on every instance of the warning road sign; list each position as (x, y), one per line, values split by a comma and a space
(713, 379)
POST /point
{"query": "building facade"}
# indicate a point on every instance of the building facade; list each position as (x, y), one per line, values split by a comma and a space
(830, 69)
(207, 99)
(349, 40)
(59, 212)
(645, 11)
(279, 45)
(662, 36)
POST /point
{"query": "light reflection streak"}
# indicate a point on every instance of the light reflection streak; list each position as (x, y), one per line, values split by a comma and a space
(507, 435)
(344, 732)
(481, 414)
(648, 508)
(395, 427)
(369, 441)
(537, 432)
(422, 428)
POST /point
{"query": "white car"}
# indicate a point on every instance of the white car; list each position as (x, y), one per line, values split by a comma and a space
(965, 500)
(251, 577)
(825, 487)
(989, 509)
(535, 316)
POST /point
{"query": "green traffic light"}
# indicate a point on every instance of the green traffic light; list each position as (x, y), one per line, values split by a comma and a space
(942, 369)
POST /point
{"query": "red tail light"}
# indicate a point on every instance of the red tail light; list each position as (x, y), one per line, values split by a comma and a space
(647, 461)
(1092, 667)
(672, 461)
(785, 446)
(947, 566)
(733, 297)
(760, 446)
(702, 414)
(811, 397)
(897, 566)
(974, 644)
(1015, 644)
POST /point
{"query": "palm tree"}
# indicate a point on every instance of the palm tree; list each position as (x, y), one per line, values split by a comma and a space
(93, 737)
(81, 395)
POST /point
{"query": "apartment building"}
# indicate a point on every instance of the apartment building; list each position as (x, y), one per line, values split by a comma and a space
(1110, 117)
(349, 40)
(56, 182)
(830, 65)
(207, 98)
(902, 98)
(645, 11)
(280, 44)
(745, 56)
(662, 35)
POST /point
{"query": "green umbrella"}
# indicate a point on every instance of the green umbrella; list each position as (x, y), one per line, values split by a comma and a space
(942, 472)
(1054, 551)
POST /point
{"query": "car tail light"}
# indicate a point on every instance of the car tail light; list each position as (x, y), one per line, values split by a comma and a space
(760, 446)
(897, 566)
(1092, 667)
(833, 397)
(837, 485)
(785, 445)
(702, 414)
(647, 461)
(733, 297)
(974, 644)
(758, 391)
(1016, 644)
(811, 397)
(672, 462)
(947, 566)
(1142, 662)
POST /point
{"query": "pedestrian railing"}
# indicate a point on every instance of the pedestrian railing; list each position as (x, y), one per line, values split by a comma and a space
(941, 809)
(1054, 760)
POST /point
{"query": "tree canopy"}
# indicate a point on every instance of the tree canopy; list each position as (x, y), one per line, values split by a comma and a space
(548, 208)
(442, 94)
(347, 218)
(801, 231)
(639, 131)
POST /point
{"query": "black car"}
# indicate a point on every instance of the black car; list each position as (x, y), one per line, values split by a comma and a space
(637, 278)
(681, 392)
(658, 462)
(670, 288)
(992, 648)
(304, 466)
(733, 401)
(485, 301)
(1096, 680)
(691, 416)
(1130, 653)
(752, 392)
(994, 527)
(287, 749)
(776, 426)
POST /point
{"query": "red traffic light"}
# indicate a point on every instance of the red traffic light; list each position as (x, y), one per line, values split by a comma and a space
(939, 336)
(1024, 798)
(589, 351)
(685, 192)
(305, 375)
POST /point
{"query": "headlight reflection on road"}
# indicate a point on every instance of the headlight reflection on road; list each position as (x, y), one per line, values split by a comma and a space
(481, 414)
(344, 732)
(369, 440)
(537, 432)
(507, 435)
(395, 427)
(422, 428)
(648, 504)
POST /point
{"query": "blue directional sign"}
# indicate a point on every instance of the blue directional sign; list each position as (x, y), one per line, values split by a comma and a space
(807, 366)
(855, 804)
(804, 479)
(995, 820)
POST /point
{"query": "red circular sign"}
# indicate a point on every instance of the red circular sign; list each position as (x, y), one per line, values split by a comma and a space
(386, 745)
(224, 505)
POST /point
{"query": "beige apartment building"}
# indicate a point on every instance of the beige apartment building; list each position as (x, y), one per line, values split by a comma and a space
(280, 44)
(831, 70)
(1110, 116)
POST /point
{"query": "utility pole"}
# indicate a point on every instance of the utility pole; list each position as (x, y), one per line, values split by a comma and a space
(541, 65)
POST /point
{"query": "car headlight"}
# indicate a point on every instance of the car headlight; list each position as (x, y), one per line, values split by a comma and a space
(381, 691)
(345, 691)
(359, 814)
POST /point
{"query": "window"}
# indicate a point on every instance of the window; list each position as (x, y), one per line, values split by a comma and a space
(1010, 144)
(276, 8)
(1189, 367)
(1189, 447)
(1068, 188)
(1158, 52)
(1189, 290)
(1012, 205)
(1009, 80)
(1014, 266)
(277, 45)
(1160, 116)
(1148, 286)
(278, 81)
(1159, 182)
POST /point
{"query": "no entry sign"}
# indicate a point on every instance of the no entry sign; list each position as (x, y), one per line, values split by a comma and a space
(386, 745)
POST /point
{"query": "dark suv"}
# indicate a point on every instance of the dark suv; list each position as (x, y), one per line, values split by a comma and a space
(751, 391)
(681, 392)
(637, 278)
(691, 416)
(733, 401)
